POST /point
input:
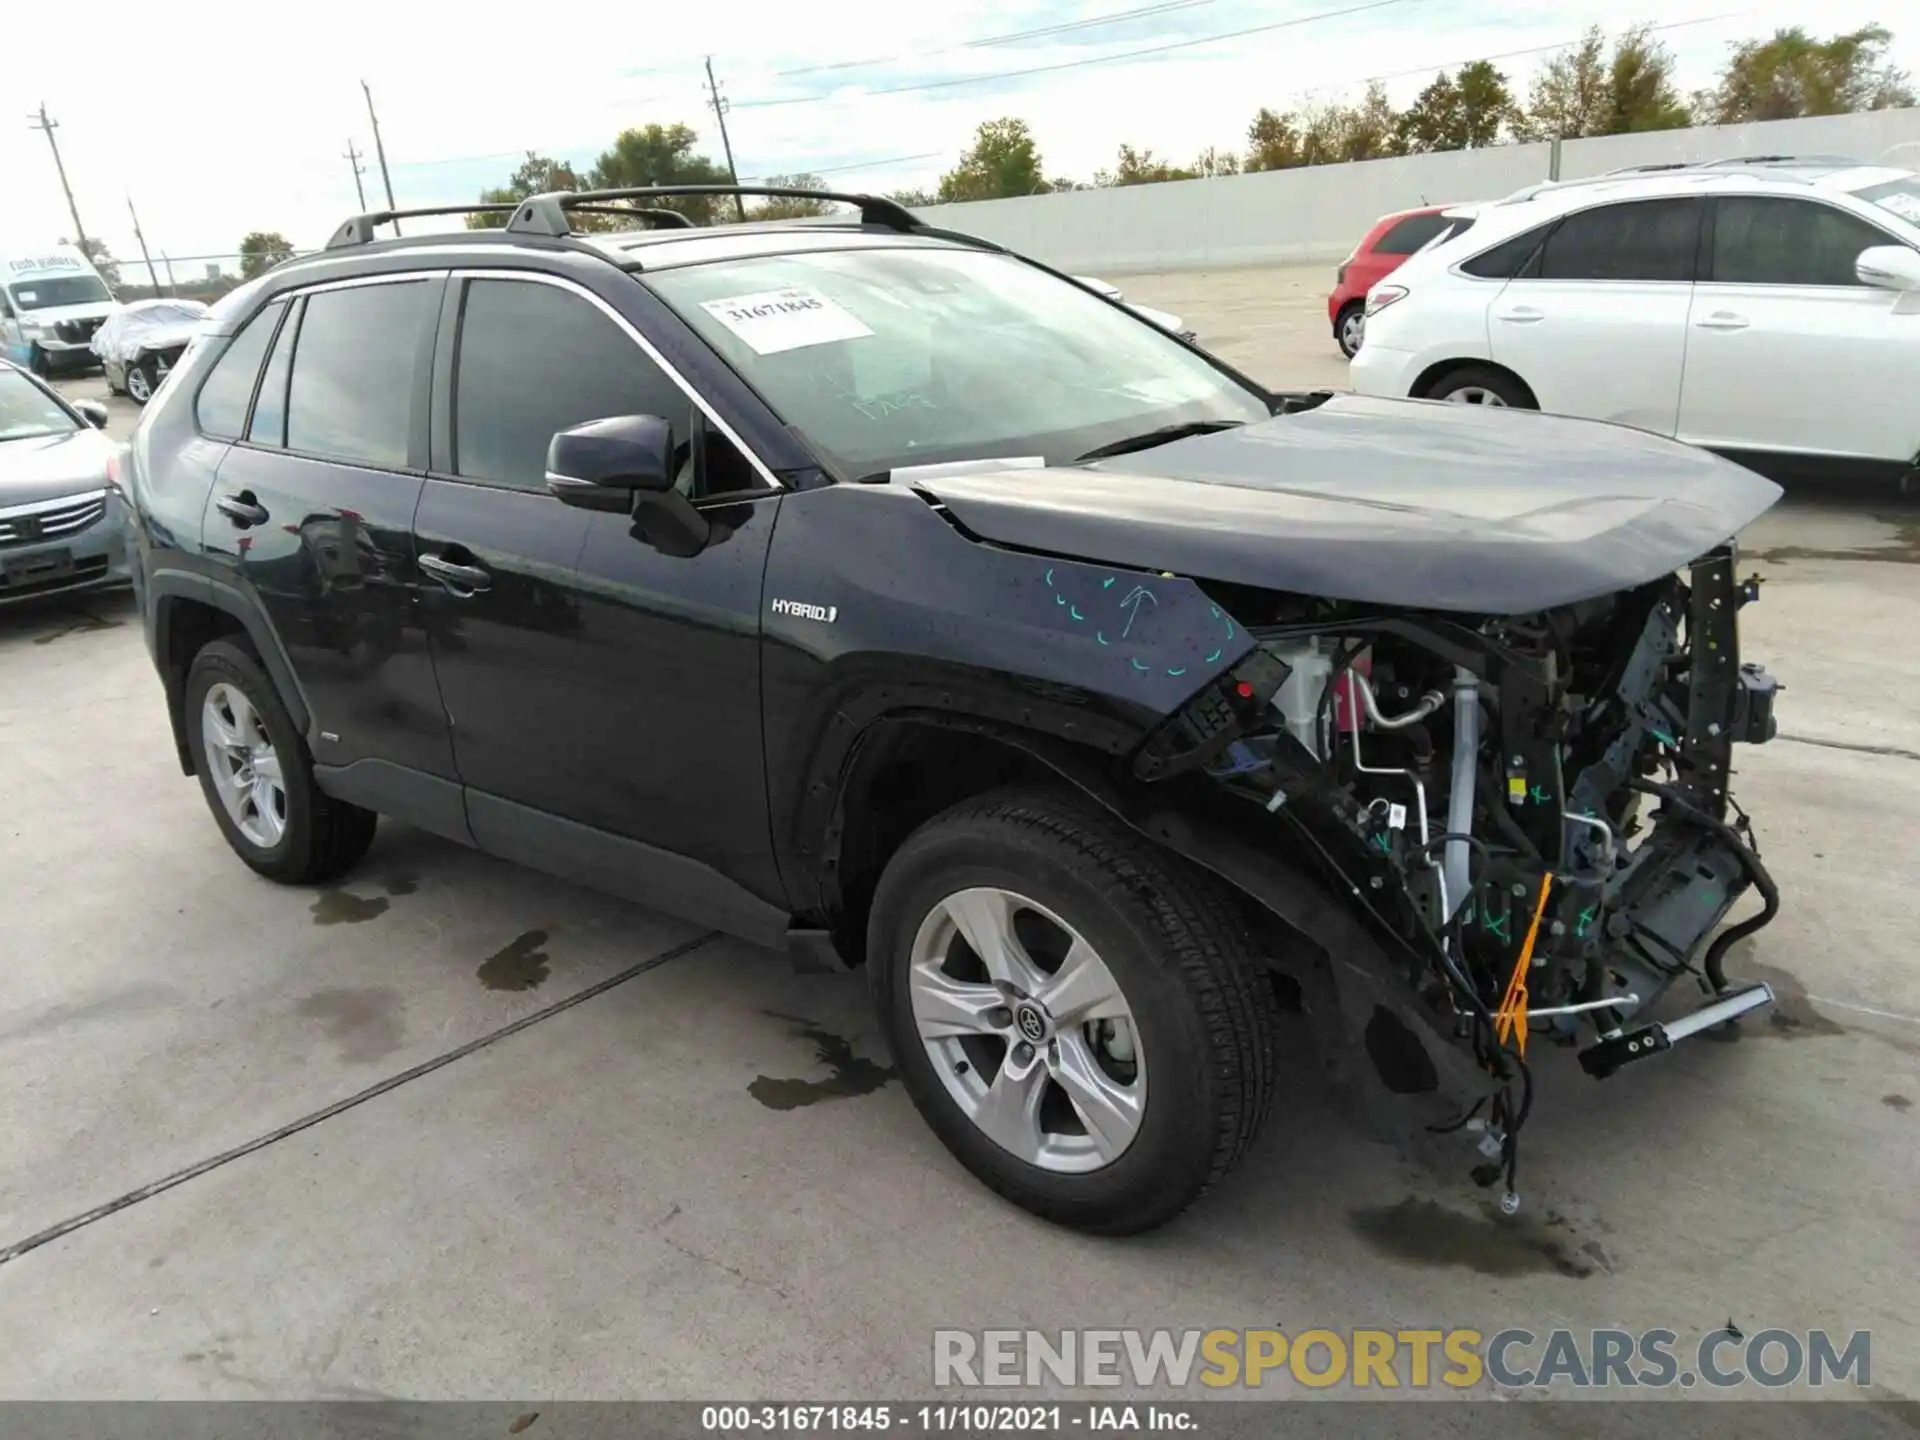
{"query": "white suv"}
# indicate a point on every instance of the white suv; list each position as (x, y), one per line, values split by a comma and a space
(1766, 308)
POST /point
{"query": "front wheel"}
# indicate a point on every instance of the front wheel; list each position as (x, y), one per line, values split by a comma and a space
(141, 381)
(1351, 328)
(1080, 1019)
(257, 776)
(1482, 385)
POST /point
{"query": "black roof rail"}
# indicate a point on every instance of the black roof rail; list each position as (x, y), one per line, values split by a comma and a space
(1649, 169)
(358, 229)
(1781, 160)
(547, 214)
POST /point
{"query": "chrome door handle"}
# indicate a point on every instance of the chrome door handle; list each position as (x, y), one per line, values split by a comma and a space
(1723, 320)
(242, 509)
(460, 579)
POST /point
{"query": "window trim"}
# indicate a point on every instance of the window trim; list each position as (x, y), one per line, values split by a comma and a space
(1704, 270)
(446, 354)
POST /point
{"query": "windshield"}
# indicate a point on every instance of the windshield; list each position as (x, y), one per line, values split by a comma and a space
(51, 290)
(27, 411)
(1900, 197)
(889, 358)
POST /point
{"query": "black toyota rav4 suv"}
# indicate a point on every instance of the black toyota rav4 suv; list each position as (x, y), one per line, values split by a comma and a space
(866, 590)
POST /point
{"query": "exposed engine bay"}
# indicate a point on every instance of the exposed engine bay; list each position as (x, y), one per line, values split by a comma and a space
(1532, 810)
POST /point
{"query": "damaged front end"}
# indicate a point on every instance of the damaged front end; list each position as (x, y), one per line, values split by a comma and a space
(1528, 816)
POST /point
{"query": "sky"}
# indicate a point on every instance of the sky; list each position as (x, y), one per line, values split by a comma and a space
(243, 124)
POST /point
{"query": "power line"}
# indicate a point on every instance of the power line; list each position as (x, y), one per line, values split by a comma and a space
(1539, 49)
(1091, 60)
(1091, 22)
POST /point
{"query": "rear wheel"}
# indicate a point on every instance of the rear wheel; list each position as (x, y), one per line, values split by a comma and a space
(258, 778)
(1350, 327)
(1079, 1018)
(141, 381)
(1480, 385)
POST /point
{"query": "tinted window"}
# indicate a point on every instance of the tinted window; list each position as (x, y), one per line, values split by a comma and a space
(1508, 258)
(533, 360)
(1644, 240)
(1410, 234)
(222, 406)
(1759, 241)
(351, 397)
(269, 424)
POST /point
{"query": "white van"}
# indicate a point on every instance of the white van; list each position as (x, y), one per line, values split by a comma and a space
(50, 305)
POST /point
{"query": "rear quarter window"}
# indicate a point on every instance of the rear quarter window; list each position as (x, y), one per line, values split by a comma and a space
(1510, 258)
(225, 395)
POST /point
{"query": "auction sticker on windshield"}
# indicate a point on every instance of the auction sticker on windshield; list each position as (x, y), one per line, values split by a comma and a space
(771, 321)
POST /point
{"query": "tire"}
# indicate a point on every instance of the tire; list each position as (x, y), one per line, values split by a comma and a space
(1481, 385)
(106, 374)
(317, 837)
(1202, 1015)
(141, 381)
(1349, 327)
(37, 362)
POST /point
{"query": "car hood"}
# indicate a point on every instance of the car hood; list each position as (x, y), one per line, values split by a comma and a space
(1386, 502)
(49, 466)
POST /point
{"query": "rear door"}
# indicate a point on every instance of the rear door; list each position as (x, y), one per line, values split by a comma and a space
(312, 511)
(1596, 324)
(604, 695)
(1788, 351)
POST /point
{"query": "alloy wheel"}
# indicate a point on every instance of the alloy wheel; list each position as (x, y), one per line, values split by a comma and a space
(1028, 1030)
(1474, 395)
(138, 388)
(1353, 329)
(244, 766)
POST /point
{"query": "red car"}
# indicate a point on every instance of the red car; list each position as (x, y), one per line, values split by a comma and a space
(1391, 240)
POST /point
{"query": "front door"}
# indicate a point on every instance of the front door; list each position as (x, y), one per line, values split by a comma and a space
(313, 505)
(604, 695)
(1788, 350)
(1597, 324)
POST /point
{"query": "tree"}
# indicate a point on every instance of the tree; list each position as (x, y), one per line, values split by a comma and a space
(661, 155)
(537, 175)
(1210, 162)
(1640, 93)
(781, 208)
(261, 250)
(1003, 160)
(96, 250)
(1463, 111)
(1792, 74)
(1335, 134)
(1138, 167)
(1273, 141)
(1569, 94)
(913, 199)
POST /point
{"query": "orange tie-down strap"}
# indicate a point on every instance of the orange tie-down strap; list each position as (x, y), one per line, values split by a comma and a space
(1511, 1018)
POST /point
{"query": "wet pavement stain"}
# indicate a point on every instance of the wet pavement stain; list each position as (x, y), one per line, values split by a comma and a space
(1905, 549)
(400, 884)
(337, 907)
(82, 624)
(852, 1074)
(1896, 1102)
(364, 1023)
(1426, 1233)
(518, 965)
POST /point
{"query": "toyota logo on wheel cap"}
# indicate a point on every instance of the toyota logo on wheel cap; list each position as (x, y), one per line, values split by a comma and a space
(1032, 1023)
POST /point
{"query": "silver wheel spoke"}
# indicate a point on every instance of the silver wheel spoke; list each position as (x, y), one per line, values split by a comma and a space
(243, 765)
(943, 1006)
(1109, 1110)
(1009, 1113)
(985, 920)
(1082, 989)
(266, 765)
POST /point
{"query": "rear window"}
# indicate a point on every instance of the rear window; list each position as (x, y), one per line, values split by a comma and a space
(1410, 234)
(1510, 257)
(1452, 230)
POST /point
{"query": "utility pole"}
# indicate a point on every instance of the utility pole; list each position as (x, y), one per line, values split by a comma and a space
(41, 122)
(352, 157)
(720, 108)
(380, 151)
(169, 264)
(151, 273)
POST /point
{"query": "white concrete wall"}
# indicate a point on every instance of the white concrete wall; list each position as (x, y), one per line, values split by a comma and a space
(1318, 214)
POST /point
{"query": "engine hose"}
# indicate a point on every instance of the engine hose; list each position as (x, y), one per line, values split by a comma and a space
(1713, 963)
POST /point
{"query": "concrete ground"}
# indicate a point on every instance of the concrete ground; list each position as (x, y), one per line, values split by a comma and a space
(702, 1182)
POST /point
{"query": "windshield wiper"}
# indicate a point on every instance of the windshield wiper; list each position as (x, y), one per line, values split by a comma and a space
(1165, 435)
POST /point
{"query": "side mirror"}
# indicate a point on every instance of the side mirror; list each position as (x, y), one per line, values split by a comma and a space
(1890, 267)
(601, 464)
(93, 412)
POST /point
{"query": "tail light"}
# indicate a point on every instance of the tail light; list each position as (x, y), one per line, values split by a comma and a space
(1340, 276)
(1381, 296)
